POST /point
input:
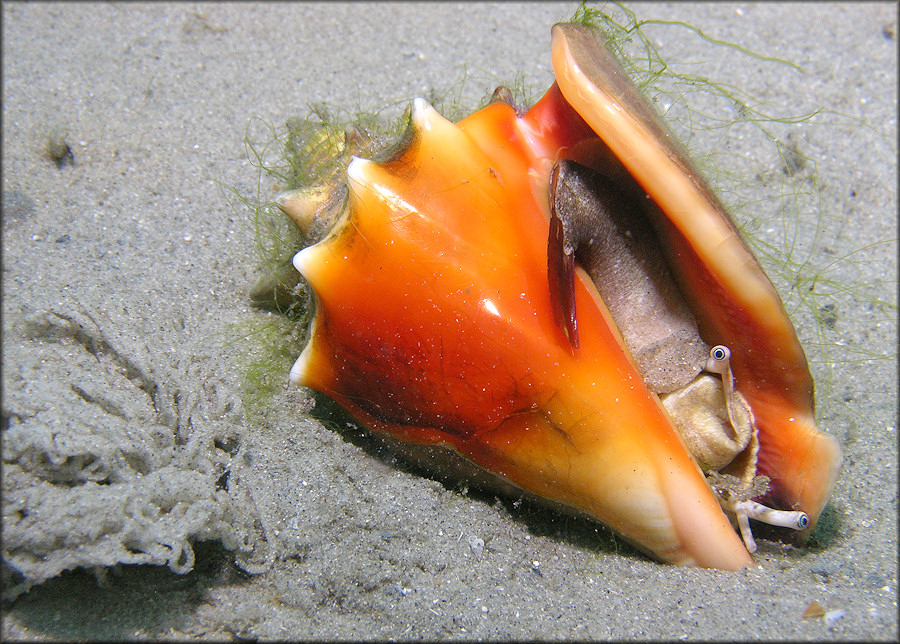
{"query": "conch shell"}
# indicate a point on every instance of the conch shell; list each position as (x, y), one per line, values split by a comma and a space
(465, 299)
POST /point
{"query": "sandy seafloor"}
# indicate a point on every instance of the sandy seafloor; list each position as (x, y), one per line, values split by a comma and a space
(126, 273)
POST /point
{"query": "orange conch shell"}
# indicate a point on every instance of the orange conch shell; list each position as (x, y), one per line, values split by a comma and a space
(435, 324)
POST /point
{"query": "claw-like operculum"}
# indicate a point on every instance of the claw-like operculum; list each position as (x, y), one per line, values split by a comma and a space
(561, 264)
(597, 220)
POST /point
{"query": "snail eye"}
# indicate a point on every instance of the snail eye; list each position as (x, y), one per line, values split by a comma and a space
(720, 362)
(802, 521)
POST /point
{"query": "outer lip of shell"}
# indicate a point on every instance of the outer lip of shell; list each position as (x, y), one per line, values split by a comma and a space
(733, 300)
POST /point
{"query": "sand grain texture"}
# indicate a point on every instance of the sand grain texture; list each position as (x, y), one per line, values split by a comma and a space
(125, 272)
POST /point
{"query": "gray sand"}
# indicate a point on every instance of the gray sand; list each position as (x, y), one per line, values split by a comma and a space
(125, 278)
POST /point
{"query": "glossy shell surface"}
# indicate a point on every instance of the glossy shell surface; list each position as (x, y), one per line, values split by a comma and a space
(435, 323)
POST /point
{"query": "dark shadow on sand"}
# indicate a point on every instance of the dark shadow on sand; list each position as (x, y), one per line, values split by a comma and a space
(124, 602)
